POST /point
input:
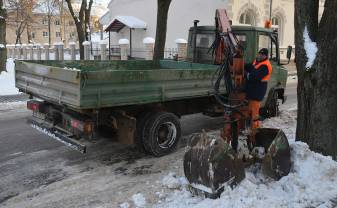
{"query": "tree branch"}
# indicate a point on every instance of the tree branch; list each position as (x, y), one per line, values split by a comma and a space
(71, 10)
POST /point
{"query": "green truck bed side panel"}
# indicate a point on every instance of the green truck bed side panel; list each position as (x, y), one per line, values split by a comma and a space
(96, 84)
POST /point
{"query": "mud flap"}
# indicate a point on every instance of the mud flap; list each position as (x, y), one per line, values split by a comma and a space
(277, 162)
(210, 164)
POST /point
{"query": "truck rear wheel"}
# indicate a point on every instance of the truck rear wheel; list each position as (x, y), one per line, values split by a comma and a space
(142, 119)
(161, 133)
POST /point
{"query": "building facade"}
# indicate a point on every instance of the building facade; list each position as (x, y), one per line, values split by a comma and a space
(36, 29)
(183, 13)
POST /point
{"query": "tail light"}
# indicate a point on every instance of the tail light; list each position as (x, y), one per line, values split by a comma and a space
(34, 105)
(86, 127)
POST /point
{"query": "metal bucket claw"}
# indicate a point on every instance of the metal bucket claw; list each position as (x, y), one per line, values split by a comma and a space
(277, 162)
(210, 163)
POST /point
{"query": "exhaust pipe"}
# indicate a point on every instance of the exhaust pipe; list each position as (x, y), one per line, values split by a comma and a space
(195, 29)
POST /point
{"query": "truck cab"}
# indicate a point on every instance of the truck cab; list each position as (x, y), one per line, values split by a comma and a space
(252, 39)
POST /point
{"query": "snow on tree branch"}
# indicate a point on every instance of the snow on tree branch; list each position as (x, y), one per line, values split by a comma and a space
(310, 48)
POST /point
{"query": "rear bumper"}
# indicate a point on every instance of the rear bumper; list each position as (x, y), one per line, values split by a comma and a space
(56, 134)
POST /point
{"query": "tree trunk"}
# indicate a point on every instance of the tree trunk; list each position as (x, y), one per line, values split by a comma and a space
(29, 34)
(162, 13)
(81, 39)
(3, 51)
(80, 22)
(49, 28)
(317, 91)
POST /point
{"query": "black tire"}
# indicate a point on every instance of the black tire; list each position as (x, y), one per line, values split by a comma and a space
(142, 119)
(168, 126)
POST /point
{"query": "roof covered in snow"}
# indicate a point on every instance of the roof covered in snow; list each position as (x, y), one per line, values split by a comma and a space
(119, 22)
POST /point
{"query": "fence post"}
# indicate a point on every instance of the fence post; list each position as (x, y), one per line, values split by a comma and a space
(149, 44)
(24, 51)
(182, 49)
(31, 51)
(10, 50)
(103, 50)
(61, 51)
(86, 45)
(56, 51)
(124, 45)
(38, 49)
(46, 51)
(72, 46)
(17, 51)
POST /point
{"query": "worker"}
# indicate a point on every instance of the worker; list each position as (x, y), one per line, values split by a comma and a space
(257, 76)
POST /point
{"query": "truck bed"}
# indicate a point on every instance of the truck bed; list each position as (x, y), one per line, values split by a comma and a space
(98, 84)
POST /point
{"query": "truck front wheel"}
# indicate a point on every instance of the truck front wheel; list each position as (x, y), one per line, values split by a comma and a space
(161, 133)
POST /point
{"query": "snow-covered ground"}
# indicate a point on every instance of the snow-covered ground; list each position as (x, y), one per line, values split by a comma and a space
(160, 182)
(7, 82)
(312, 181)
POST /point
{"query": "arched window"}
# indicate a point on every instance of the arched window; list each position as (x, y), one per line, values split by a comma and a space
(247, 18)
(277, 23)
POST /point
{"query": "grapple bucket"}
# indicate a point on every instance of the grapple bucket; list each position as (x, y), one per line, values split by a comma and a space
(276, 162)
(210, 164)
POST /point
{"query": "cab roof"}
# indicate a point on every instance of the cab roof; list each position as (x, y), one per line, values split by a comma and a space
(235, 28)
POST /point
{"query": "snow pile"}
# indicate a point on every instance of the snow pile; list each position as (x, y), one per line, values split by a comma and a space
(7, 80)
(172, 182)
(2, 46)
(312, 181)
(124, 205)
(139, 200)
(310, 48)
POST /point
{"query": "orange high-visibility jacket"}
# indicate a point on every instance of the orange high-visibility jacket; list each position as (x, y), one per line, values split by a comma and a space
(268, 64)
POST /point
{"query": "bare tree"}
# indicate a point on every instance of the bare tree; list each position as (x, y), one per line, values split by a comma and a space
(82, 22)
(19, 15)
(162, 13)
(317, 88)
(2, 37)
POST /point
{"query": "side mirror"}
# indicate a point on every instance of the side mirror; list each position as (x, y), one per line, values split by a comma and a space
(289, 51)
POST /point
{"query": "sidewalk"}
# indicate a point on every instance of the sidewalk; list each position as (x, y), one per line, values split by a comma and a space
(291, 67)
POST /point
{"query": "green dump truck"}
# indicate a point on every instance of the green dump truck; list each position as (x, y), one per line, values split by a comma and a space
(141, 101)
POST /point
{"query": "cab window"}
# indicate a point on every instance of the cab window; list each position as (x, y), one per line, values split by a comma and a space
(242, 38)
(265, 41)
(205, 40)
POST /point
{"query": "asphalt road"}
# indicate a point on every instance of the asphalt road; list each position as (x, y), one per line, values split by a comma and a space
(29, 159)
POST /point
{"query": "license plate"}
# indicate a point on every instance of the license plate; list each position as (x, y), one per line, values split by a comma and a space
(39, 115)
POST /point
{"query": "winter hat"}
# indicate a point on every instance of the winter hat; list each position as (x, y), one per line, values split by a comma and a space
(263, 51)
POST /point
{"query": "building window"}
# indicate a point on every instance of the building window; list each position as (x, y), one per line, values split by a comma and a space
(58, 34)
(33, 35)
(247, 18)
(57, 22)
(275, 21)
(71, 23)
(277, 24)
(45, 21)
(45, 34)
